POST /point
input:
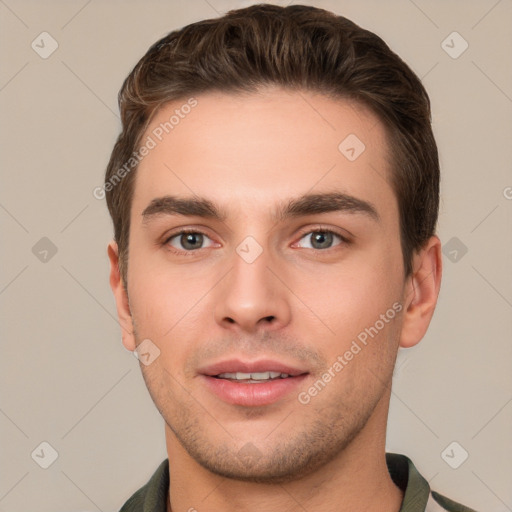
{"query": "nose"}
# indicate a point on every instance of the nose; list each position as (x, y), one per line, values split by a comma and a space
(251, 297)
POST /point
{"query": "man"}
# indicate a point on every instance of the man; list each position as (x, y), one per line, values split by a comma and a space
(274, 194)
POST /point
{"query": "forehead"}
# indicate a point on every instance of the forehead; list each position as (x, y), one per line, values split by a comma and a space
(257, 149)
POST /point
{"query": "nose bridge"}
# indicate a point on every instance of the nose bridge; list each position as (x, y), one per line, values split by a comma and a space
(250, 274)
(250, 294)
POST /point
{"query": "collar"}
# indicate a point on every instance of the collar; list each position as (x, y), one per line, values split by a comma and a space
(153, 496)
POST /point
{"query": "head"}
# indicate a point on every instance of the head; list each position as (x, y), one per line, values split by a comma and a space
(300, 48)
(297, 150)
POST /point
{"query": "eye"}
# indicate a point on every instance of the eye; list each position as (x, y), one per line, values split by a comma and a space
(189, 241)
(322, 239)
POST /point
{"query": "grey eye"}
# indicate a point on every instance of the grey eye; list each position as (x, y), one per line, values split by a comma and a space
(321, 239)
(189, 241)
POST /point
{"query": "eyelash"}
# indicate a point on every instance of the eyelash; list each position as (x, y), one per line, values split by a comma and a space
(183, 231)
(344, 239)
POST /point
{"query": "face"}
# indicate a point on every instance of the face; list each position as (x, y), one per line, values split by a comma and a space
(260, 244)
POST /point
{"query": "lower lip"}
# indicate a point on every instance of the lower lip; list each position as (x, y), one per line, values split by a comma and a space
(252, 394)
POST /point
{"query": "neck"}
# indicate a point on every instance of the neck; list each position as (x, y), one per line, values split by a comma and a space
(357, 479)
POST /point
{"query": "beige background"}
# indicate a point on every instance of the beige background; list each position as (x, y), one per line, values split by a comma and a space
(65, 377)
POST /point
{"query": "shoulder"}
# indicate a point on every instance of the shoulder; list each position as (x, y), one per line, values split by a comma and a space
(448, 504)
(153, 495)
(417, 493)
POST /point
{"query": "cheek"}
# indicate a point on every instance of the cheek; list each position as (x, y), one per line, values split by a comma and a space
(165, 306)
(351, 297)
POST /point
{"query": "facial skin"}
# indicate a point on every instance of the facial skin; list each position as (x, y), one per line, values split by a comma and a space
(302, 301)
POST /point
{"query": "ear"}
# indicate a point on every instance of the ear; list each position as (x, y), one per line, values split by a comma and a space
(121, 297)
(421, 292)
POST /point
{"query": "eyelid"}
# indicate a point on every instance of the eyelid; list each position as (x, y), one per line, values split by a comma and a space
(181, 231)
(345, 237)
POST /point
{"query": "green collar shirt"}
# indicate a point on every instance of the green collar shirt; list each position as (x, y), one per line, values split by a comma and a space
(417, 494)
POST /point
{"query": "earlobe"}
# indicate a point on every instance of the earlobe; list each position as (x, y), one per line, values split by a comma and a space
(121, 298)
(421, 292)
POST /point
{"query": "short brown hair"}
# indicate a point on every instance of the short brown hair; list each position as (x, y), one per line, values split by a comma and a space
(300, 48)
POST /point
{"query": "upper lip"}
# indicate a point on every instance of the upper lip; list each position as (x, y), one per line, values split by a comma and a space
(237, 365)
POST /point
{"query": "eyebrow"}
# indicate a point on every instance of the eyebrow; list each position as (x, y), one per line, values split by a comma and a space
(307, 204)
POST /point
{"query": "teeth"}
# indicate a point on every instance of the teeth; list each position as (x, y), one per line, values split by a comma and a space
(253, 376)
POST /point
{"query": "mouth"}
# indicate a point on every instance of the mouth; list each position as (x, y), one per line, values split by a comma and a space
(251, 383)
(252, 378)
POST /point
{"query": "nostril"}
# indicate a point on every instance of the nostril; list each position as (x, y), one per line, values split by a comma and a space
(266, 318)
